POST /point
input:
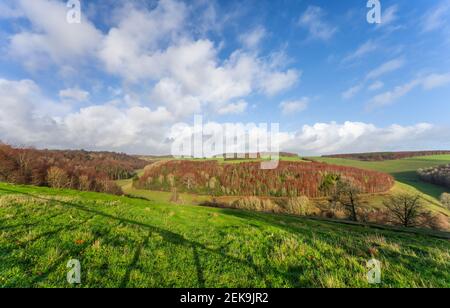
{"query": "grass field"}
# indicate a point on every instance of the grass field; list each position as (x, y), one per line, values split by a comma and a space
(126, 242)
(404, 170)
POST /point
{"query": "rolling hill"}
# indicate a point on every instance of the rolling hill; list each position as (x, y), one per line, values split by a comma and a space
(131, 242)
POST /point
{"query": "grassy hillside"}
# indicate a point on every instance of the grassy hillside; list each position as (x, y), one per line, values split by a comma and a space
(125, 242)
(404, 170)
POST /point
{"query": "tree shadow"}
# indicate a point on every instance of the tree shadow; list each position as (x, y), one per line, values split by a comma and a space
(64, 228)
(27, 225)
(200, 278)
(411, 178)
(137, 254)
(171, 237)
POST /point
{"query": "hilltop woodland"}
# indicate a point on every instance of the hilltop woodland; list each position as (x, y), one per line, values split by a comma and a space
(386, 155)
(290, 179)
(82, 170)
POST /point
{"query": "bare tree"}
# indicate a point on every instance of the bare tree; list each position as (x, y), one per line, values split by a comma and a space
(404, 209)
(348, 195)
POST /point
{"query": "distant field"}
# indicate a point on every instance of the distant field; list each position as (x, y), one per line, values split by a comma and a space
(126, 242)
(403, 170)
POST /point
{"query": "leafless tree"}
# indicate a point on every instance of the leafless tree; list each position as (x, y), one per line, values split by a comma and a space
(404, 209)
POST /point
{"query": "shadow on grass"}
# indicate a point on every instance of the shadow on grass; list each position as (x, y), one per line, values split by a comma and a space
(137, 254)
(411, 178)
(167, 235)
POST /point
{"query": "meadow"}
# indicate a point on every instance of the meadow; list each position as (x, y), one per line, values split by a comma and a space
(403, 170)
(131, 242)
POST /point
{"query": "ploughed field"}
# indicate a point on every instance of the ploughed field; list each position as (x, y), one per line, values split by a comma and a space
(289, 179)
(130, 242)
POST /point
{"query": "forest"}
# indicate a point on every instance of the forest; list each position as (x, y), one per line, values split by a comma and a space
(380, 156)
(290, 179)
(439, 175)
(82, 170)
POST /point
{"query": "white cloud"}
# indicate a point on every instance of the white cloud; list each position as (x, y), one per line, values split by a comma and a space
(253, 38)
(151, 46)
(294, 106)
(233, 108)
(313, 20)
(9, 10)
(351, 92)
(29, 118)
(427, 83)
(376, 86)
(363, 50)
(155, 48)
(435, 81)
(52, 39)
(75, 94)
(25, 119)
(437, 17)
(391, 96)
(385, 68)
(389, 15)
(353, 137)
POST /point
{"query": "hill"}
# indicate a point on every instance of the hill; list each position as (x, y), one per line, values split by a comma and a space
(126, 242)
(403, 170)
(290, 178)
(380, 156)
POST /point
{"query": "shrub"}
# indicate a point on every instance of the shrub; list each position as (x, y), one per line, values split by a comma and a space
(299, 206)
(57, 178)
(256, 204)
(434, 221)
(110, 187)
(445, 200)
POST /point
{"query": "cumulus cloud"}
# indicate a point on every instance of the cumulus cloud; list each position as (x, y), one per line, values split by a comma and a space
(233, 108)
(27, 117)
(353, 137)
(294, 106)
(74, 94)
(155, 49)
(151, 46)
(51, 38)
(313, 20)
(24, 120)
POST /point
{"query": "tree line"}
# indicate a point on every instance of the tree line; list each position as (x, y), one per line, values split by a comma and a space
(82, 170)
(439, 175)
(380, 156)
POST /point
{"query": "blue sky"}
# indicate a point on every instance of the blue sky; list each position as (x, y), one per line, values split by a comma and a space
(132, 69)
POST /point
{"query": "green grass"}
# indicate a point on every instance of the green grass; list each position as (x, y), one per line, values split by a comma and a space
(404, 170)
(126, 242)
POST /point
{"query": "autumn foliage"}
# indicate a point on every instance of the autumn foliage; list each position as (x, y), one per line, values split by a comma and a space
(290, 179)
(82, 170)
(380, 156)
